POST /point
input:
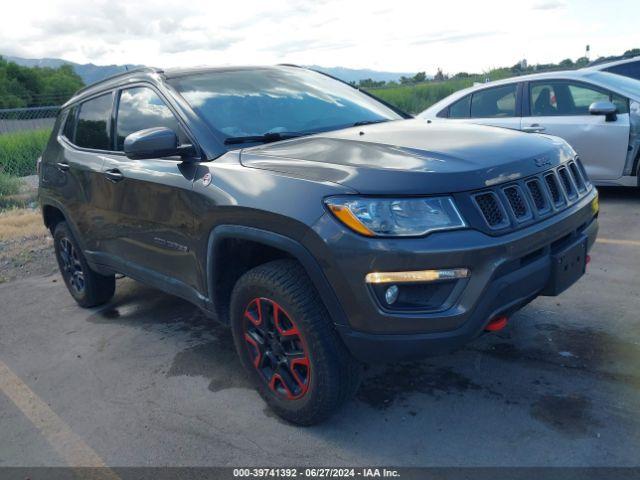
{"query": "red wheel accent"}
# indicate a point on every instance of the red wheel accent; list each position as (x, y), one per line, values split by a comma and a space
(256, 354)
(276, 348)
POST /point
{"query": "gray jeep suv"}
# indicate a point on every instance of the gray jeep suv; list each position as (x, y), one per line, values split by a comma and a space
(327, 228)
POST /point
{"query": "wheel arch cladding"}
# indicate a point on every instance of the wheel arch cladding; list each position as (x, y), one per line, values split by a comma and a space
(52, 216)
(253, 247)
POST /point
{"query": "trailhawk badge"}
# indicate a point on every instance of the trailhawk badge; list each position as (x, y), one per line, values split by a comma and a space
(206, 180)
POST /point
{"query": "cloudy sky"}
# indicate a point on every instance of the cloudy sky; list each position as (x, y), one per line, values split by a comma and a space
(399, 35)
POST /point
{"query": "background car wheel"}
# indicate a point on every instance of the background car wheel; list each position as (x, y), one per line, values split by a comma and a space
(86, 286)
(286, 341)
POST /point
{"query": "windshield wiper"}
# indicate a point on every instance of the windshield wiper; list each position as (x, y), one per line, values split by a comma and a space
(369, 122)
(266, 138)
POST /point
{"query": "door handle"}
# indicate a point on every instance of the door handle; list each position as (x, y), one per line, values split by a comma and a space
(534, 128)
(114, 175)
(63, 167)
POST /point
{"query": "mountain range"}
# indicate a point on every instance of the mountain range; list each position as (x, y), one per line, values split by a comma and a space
(91, 73)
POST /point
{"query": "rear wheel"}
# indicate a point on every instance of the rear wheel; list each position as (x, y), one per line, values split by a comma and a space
(87, 287)
(287, 343)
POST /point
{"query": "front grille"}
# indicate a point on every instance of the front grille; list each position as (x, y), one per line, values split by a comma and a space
(583, 172)
(554, 189)
(523, 201)
(491, 210)
(517, 202)
(577, 177)
(566, 182)
(539, 198)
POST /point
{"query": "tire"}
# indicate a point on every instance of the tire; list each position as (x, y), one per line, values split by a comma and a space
(301, 369)
(87, 287)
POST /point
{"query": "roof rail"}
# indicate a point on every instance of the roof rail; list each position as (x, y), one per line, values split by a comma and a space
(117, 75)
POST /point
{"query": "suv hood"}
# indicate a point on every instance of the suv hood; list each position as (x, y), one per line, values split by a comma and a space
(412, 157)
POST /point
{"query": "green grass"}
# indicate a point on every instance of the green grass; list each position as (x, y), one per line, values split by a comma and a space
(20, 150)
(415, 98)
(8, 185)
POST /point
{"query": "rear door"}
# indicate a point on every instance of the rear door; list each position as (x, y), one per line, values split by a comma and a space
(74, 177)
(150, 201)
(495, 106)
(561, 107)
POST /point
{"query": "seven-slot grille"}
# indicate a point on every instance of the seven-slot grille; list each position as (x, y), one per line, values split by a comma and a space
(536, 196)
(517, 202)
(554, 188)
(491, 209)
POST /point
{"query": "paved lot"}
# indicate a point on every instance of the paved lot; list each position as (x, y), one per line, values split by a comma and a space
(147, 380)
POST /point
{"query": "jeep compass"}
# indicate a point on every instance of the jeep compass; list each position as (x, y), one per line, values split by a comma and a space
(325, 227)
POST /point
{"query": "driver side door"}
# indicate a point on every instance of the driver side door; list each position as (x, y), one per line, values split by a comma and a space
(149, 201)
(561, 108)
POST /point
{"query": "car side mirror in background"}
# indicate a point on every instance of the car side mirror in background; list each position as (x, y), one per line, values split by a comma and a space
(155, 142)
(608, 109)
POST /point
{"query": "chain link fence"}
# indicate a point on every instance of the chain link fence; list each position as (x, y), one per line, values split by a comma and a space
(23, 135)
(21, 119)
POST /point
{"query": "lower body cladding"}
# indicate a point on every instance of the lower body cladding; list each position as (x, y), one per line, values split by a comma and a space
(481, 278)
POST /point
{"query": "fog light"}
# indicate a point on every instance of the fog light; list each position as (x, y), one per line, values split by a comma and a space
(391, 295)
(417, 276)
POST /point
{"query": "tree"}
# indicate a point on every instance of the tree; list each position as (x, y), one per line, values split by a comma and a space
(369, 83)
(419, 77)
(439, 76)
(566, 63)
(582, 62)
(34, 86)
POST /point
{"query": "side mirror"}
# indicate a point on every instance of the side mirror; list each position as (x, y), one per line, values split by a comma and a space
(155, 142)
(608, 109)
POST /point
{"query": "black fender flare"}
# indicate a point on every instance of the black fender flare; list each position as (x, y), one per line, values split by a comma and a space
(67, 218)
(281, 242)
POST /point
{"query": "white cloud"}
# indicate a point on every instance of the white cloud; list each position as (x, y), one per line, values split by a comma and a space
(408, 35)
(548, 5)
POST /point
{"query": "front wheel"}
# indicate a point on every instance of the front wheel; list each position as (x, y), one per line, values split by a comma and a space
(287, 343)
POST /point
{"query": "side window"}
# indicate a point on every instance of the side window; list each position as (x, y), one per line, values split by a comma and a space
(583, 96)
(621, 102)
(461, 108)
(92, 130)
(566, 98)
(494, 102)
(70, 125)
(141, 108)
(544, 101)
(631, 69)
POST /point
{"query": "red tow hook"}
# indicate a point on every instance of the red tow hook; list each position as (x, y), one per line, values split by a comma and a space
(496, 324)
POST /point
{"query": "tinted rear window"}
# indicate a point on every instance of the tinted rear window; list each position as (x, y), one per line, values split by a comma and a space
(92, 130)
(631, 69)
(494, 102)
(461, 108)
(70, 125)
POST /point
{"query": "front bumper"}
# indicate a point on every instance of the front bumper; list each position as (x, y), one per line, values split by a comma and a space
(507, 272)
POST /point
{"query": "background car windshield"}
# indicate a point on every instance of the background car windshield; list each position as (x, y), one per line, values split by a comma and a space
(253, 102)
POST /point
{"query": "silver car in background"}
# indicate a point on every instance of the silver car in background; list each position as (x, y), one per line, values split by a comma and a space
(628, 67)
(598, 113)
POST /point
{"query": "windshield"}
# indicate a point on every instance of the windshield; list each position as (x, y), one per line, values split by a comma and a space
(243, 103)
(625, 85)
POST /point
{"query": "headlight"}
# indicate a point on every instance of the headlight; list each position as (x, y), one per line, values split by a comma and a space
(389, 217)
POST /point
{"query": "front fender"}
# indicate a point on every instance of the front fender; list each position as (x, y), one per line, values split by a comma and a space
(275, 240)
